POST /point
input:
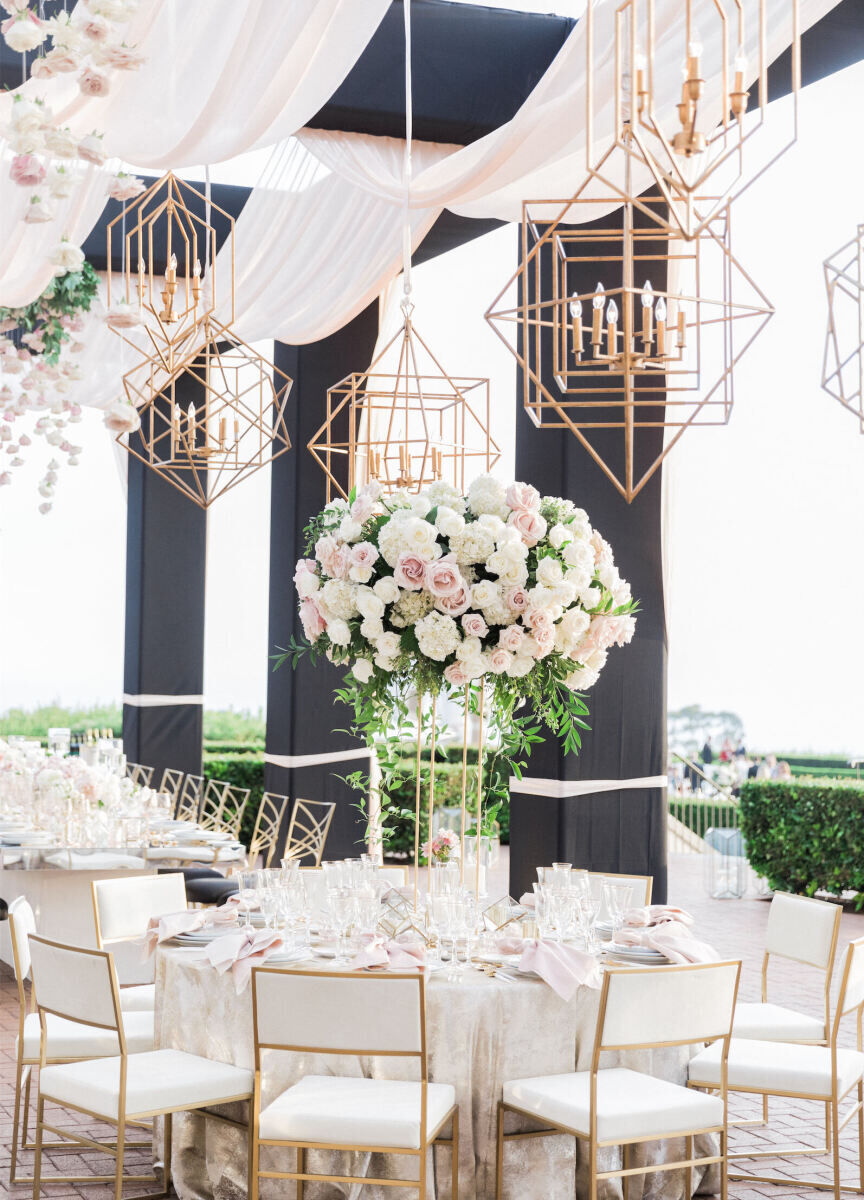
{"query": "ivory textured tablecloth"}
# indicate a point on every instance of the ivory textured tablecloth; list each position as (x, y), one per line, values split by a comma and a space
(480, 1031)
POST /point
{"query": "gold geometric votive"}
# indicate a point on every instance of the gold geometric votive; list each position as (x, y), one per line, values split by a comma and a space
(650, 346)
(405, 427)
(843, 363)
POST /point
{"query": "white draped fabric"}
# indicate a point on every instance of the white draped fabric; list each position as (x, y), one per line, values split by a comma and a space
(220, 78)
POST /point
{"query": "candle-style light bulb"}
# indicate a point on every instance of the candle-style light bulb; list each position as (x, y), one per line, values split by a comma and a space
(660, 313)
(190, 426)
(576, 326)
(612, 327)
(612, 311)
(694, 66)
(171, 270)
(597, 305)
(660, 310)
(640, 65)
(739, 97)
(647, 313)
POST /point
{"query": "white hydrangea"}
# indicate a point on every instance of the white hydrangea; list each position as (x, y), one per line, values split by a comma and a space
(499, 614)
(410, 607)
(521, 665)
(437, 636)
(385, 664)
(472, 544)
(386, 589)
(410, 534)
(307, 584)
(470, 648)
(496, 526)
(338, 596)
(590, 597)
(487, 495)
(448, 521)
(442, 492)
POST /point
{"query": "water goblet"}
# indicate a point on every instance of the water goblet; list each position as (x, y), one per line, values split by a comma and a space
(341, 901)
(247, 892)
(616, 897)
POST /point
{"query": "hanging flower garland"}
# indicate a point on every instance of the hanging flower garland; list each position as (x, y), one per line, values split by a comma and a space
(444, 594)
(37, 368)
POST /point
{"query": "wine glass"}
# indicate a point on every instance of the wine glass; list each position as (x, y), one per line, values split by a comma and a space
(247, 892)
(341, 901)
(589, 908)
(616, 897)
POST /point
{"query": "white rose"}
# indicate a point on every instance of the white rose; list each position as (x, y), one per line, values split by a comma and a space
(360, 574)
(338, 632)
(563, 593)
(557, 536)
(590, 597)
(362, 670)
(420, 504)
(307, 584)
(579, 554)
(493, 523)
(607, 575)
(485, 593)
(339, 598)
(25, 34)
(67, 257)
(549, 571)
(419, 536)
(349, 529)
(368, 604)
(386, 589)
(449, 521)
(471, 648)
(371, 629)
(579, 579)
(388, 645)
(385, 664)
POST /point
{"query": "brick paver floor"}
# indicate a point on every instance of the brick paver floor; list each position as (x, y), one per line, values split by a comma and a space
(735, 927)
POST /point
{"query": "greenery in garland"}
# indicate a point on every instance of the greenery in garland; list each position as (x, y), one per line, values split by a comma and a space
(66, 296)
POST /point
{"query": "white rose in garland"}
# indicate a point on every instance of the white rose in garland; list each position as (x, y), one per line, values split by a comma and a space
(439, 593)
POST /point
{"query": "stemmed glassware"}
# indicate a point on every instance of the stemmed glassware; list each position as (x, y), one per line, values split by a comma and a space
(616, 899)
(342, 904)
(248, 892)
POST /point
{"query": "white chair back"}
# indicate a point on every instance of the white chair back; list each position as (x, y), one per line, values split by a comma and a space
(339, 1013)
(75, 983)
(22, 922)
(852, 988)
(803, 929)
(123, 907)
(642, 886)
(667, 1005)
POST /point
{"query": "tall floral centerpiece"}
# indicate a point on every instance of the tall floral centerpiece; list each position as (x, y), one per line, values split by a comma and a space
(492, 599)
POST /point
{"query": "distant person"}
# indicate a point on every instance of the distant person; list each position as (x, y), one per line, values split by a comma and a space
(764, 769)
(753, 769)
(726, 751)
(741, 749)
(707, 753)
(784, 773)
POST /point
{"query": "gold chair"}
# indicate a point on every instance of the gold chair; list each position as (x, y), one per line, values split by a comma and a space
(139, 774)
(307, 830)
(233, 808)
(643, 885)
(215, 795)
(170, 783)
(348, 1014)
(65, 1042)
(640, 1008)
(190, 798)
(79, 986)
(824, 1074)
(268, 823)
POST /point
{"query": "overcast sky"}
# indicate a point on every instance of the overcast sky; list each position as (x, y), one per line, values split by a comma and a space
(766, 571)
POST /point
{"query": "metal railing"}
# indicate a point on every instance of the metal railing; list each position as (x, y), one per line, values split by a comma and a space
(690, 814)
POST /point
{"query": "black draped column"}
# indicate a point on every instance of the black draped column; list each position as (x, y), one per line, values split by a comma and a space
(303, 716)
(622, 830)
(163, 677)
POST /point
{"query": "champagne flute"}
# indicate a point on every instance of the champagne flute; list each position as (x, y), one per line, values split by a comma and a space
(248, 892)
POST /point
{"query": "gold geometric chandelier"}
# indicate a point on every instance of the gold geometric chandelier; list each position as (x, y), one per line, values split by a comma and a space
(212, 409)
(690, 133)
(405, 424)
(843, 363)
(629, 362)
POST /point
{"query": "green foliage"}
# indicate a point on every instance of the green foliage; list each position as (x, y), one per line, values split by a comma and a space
(823, 772)
(699, 815)
(804, 836)
(242, 771)
(65, 296)
(36, 722)
(230, 725)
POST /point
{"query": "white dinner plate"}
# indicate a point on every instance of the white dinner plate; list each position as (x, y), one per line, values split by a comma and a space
(201, 936)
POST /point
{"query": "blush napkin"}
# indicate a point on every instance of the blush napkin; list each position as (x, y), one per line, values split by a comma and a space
(162, 929)
(384, 952)
(241, 951)
(563, 968)
(672, 938)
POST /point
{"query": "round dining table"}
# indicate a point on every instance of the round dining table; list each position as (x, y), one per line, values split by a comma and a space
(481, 1032)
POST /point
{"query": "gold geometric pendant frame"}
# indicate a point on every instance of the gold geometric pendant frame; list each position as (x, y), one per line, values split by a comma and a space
(236, 425)
(405, 428)
(665, 361)
(235, 422)
(843, 363)
(694, 150)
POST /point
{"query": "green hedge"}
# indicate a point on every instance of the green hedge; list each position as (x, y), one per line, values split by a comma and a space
(806, 837)
(699, 815)
(243, 771)
(802, 772)
(220, 748)
(247, 770)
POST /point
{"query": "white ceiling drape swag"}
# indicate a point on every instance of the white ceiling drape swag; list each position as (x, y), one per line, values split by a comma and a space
(314, 247)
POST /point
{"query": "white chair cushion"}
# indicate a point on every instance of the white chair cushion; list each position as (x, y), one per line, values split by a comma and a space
(202, 854)
(155, 1082)
(70, 1039)
(140, 998)
(778, 1067)
(355, 1112)
(629, 1104)
(772, 1023)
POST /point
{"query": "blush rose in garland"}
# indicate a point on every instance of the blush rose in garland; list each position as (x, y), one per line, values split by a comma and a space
(441, 593)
